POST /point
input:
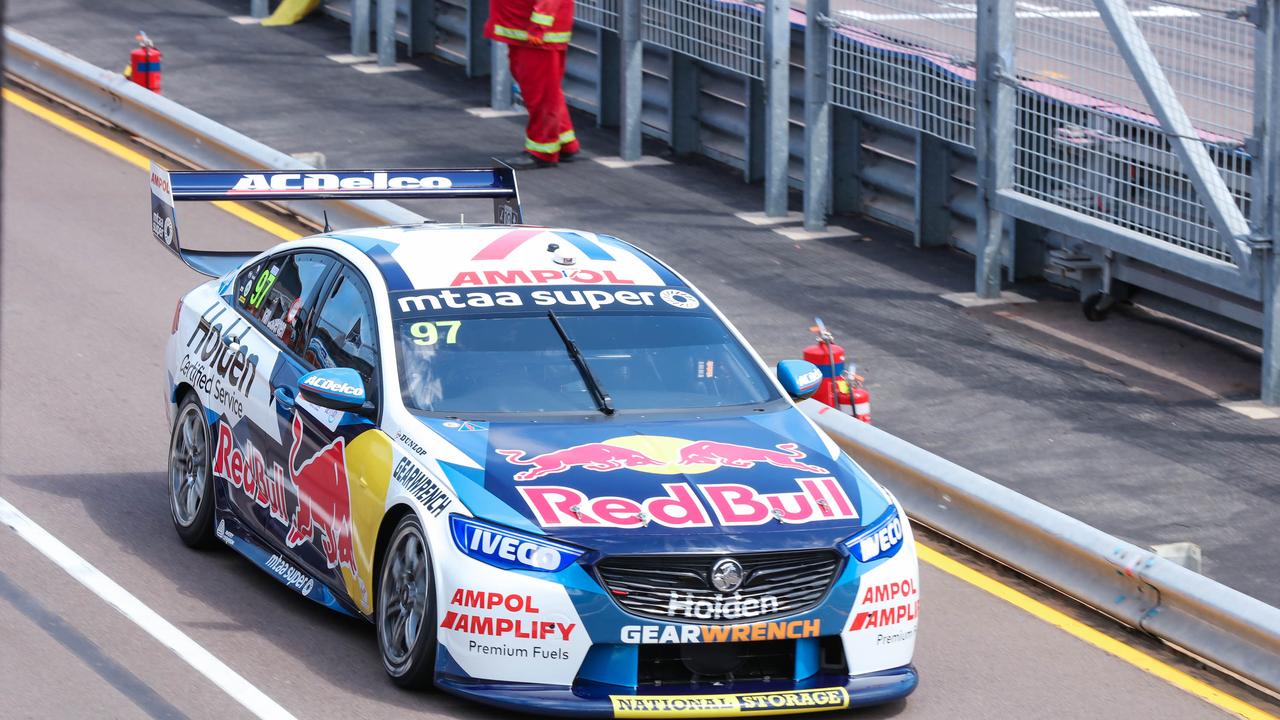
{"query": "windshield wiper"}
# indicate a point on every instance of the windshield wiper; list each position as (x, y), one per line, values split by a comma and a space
(603, 401)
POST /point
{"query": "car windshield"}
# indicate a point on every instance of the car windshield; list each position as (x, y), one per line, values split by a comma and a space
(519, 364)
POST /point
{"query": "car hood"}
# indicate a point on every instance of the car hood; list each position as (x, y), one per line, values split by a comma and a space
(759, 482)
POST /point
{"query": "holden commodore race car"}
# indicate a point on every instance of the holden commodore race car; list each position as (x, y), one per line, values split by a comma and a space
(540, 462)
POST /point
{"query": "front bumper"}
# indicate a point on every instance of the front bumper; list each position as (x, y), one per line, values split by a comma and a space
(777, 697)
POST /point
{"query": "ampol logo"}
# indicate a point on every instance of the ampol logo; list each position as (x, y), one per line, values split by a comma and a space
(659, 455)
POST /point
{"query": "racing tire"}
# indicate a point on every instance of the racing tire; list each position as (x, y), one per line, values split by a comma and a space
(190, 473)
(406, 607)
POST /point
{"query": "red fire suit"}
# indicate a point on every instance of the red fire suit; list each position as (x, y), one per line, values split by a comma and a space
(537, 33)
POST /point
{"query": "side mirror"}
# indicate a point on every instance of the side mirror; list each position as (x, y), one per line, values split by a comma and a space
(333, 388)
(800, 378)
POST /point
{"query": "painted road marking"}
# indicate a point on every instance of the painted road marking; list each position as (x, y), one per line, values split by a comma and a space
(1098, 639)
(1104, 642)
(240, 690)
(1027, 11)
(137, 159)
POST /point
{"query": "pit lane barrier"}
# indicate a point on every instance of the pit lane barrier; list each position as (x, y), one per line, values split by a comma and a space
(1134, 586)
(181, 131)
(1196, 615)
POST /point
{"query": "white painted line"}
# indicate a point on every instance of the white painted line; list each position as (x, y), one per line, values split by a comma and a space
(614, 162)
(245, 20)
(240, 690)
(1116, 356)
(832, 232)
(971, 300)
(1252, 409)
(487, 113)
(349, 59)
(375, 69)
(759, 218)
(1027, 12)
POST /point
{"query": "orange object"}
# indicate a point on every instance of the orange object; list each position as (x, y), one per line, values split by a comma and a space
(840, 388)
(144, 64)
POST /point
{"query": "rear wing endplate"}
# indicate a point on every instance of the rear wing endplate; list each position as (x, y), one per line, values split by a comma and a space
(498, 183)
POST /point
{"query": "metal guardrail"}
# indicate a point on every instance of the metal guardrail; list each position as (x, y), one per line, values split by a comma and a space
(183, 132)
(1136, 587)
(1226, 627)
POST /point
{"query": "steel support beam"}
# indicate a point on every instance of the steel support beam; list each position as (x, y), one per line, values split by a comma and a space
(360, 27)
(607, 96)
(479, 57)
(996, 102)
(817, 114)
(777, 90)
(631, 54)
(499, 77)
(933, 189)
(683, 112)
(386, 32)
(422, 28)
(1265, 184)
(846, 164)
(1211, 189)
(259, 8)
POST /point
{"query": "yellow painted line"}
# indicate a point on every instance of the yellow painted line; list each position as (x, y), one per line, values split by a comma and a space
(1102, 641)
(137, 159)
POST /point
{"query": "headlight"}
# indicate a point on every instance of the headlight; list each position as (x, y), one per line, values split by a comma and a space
(881, 540)
(510, 549)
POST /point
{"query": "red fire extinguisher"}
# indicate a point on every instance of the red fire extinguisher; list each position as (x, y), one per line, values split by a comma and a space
(144, 64)
(841, 388)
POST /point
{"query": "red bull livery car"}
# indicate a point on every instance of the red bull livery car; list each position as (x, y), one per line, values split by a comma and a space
(546, 468)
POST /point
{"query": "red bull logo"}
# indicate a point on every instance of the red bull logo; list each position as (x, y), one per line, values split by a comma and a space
(657, 454)
(319, 484)
(731, 504)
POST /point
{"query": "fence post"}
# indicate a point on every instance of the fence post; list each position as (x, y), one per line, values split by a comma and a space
(846, 162)
(609, 67)
(259, 8)
(933, 187)
(499, 77)
(994, 135)
(777, 91)
(478, 55)
(1265, 184)
(817, 114)
(684, 122)
(360, 27)
(631, 51)
(386, 32)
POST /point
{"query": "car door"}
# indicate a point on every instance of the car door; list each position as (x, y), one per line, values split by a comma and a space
(276, 297)
(340, 462)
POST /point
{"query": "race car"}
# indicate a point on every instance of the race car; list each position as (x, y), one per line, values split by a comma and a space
(543, 465)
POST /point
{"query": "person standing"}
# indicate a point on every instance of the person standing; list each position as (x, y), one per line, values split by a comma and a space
(537, 34)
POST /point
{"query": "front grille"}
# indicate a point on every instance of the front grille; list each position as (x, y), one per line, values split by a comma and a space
(678, 588)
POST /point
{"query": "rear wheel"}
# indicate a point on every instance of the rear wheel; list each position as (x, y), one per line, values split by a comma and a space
(190, 478)
(406, 607)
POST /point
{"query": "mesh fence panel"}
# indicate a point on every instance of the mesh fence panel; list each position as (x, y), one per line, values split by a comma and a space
(600, 13)
(725, 34)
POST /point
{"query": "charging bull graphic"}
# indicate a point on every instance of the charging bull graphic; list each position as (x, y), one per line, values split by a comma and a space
(340, 491)
(598, 457)
(706, 452)
(324, 500)
(660, 455)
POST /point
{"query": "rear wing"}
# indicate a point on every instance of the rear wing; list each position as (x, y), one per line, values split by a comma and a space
(498, 183)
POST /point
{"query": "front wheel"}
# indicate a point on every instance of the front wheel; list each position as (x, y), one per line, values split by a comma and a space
(190, 477)
(406, 608)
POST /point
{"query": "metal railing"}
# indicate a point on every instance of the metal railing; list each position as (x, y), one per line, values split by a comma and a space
(1125, 137)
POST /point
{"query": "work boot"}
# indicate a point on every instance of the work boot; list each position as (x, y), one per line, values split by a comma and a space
(525, 161)
(568, 156)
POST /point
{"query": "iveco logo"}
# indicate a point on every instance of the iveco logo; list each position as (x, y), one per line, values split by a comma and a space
(726, 575)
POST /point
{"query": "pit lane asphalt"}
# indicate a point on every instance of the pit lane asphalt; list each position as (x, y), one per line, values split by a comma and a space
(86, 298)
